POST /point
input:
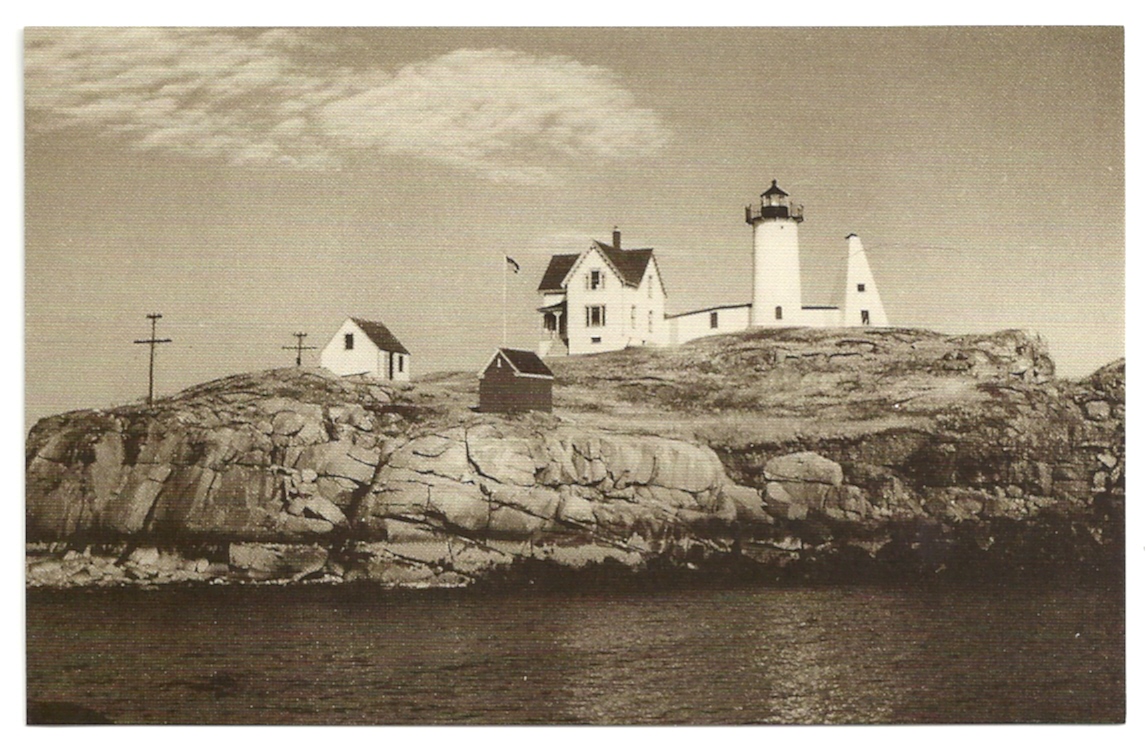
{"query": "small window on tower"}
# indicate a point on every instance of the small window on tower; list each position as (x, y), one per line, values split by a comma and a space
(348, 341)
(779, 312)
(865, 317)
(713, 320)
(860, 287)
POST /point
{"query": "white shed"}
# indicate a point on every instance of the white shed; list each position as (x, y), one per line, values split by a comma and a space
(364, 347)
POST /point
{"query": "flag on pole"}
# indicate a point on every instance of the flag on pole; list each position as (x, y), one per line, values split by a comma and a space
(513, 264)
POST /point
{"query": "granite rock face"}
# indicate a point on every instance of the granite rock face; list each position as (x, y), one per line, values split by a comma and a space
(296, 475)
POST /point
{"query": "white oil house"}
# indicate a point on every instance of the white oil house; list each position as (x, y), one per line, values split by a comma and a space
(362, 346)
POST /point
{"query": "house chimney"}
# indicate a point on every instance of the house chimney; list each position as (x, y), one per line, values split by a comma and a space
(616, 238)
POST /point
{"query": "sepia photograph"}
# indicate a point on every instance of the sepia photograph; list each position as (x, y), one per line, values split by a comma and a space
(574, 375)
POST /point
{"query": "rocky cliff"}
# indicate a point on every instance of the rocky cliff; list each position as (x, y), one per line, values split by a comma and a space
(790, 452)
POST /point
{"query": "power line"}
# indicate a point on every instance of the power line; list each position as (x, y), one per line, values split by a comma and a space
(152, 341)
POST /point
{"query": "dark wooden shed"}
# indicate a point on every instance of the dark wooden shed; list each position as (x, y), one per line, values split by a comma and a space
(515, 380)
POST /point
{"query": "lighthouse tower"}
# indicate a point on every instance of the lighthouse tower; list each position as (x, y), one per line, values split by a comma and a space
(775, 259)
(862, 305)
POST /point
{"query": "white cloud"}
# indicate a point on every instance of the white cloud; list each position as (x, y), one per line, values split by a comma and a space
(258, 97)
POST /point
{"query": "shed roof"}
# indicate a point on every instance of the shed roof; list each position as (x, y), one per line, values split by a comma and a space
(524, 362)
(380, 335)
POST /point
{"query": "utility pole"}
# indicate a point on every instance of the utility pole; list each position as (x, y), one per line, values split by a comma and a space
(298, 348)
(152, 341)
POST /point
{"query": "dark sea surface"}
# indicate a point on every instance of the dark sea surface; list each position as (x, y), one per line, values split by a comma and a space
(1048, 652)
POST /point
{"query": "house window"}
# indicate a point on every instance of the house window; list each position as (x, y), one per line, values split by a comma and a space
(865, 318)
(595, 316)
(859, 287)
(594, 340)
(779, 312)
(348, 341)
(595, 280)
(401, 362)
(713, 320)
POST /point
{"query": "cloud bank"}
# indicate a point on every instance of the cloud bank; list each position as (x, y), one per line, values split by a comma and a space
(274, 97)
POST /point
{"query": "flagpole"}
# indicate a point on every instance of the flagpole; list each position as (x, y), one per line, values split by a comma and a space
(504, 294)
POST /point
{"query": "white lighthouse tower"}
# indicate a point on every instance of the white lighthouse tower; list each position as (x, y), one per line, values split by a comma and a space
(775, 259)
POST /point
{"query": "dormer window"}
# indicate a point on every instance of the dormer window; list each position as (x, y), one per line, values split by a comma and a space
(595, 280)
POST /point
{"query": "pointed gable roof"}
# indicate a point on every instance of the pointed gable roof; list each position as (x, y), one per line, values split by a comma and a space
(630, 264)
(526, 363)
(380, 335)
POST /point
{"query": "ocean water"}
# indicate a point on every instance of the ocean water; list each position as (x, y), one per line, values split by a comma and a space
(791, 655)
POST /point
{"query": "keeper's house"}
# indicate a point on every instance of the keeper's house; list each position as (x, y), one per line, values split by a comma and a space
(515, 380)
(364, 347)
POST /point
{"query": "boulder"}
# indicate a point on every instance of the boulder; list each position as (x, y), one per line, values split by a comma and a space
(781, 504)
(263, 561)
(804, 467)
(1097, 410)
(317, 507)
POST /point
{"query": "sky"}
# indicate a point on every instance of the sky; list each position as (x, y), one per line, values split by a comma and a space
(250, 184)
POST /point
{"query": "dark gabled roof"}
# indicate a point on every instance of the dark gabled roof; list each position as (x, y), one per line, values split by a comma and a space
(559, 267)
(629, 263)
(774, 190)
(526, 362)
(380, 336)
